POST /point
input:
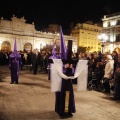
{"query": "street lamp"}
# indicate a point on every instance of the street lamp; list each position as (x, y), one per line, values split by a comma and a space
(74, 49)
(113, 36)
(113, 23)
(102, 38)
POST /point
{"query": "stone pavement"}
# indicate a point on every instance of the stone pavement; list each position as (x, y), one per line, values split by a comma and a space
(32, 99)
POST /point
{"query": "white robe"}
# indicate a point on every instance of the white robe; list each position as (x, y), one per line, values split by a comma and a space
(81, 73)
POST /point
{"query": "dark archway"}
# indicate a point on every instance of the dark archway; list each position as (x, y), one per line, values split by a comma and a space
(6, 46)
(27, 47)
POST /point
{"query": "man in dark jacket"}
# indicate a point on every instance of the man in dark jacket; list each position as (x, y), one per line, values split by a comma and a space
(117, 83)
(35, 61)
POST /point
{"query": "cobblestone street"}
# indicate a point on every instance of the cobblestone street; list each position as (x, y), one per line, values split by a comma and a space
(32, 99)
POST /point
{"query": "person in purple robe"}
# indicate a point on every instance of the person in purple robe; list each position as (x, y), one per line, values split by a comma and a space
(65, 103)
(14, 64)
(53, 56)
(64, 99)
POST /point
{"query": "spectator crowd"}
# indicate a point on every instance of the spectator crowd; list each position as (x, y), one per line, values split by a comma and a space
(105, 66)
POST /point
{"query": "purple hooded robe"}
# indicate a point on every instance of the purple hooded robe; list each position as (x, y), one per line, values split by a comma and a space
(66, 87)
(14, 64)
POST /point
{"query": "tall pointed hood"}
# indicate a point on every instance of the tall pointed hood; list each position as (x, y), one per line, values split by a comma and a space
(15, 52)
(15, 45)
(53, 50)
(53, 55)
(63, 50)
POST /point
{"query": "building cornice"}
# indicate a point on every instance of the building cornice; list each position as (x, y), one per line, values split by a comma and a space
(111, 18)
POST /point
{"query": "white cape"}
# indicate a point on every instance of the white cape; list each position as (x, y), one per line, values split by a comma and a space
(81, 73)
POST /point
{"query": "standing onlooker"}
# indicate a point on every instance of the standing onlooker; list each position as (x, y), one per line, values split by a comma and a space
(22, 59)
(98, 73)
(35, 61)
(117, 83)
(115, 58)
(90, 66)
(108, 72)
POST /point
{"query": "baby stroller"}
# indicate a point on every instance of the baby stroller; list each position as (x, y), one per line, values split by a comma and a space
(101, 86)
(94, 83)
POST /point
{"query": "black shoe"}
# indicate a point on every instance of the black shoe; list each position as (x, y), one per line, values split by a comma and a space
(16, 83)
(63, 116)
(107, 91)
(114, 98)
(70, 115)
(34, 73)
(11, 82)
(66, 115)
(1, 80)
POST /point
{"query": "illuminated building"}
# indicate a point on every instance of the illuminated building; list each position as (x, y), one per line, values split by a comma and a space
(87, 35)
(111, 26)
(27, 37)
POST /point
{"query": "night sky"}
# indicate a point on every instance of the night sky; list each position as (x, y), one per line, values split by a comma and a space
(62, 12)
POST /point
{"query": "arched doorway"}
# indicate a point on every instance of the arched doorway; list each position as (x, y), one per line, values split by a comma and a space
(27, 47)
(6, 46)
(117, 49)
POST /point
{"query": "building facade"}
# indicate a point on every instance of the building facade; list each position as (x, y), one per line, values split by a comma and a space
(27, 37)
(87, 34)
(111, 27)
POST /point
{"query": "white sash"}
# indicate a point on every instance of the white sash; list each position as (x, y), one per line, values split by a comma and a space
(81, 73)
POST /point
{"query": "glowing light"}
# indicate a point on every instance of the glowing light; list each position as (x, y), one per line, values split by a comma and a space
(103, 37)
(113, 22)
(105, 24)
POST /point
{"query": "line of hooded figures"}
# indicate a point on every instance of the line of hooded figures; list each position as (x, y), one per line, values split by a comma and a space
(103, 69)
